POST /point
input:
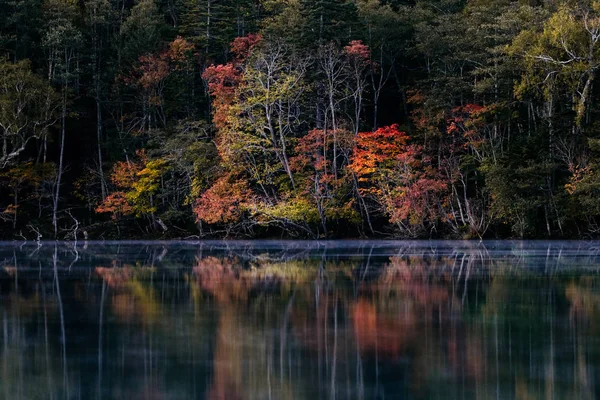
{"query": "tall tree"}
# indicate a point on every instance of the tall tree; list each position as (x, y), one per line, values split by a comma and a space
(62, 42)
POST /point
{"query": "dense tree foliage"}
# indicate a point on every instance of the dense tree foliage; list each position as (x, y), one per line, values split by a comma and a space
(329, 118)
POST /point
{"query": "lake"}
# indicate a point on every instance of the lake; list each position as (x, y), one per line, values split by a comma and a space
(300, 320)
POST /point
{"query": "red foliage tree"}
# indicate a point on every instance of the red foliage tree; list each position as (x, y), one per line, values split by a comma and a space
(150, 76)
(358, 50)
(399, 177)
(222, 82)
(242, 46)
(223, 202)
(223, 79)
(153, 69)
(312, 151)
(314, 157)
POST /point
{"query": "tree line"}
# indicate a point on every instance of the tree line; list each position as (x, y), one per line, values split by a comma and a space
(299, 118)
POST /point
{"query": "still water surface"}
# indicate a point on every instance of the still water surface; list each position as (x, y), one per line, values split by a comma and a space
(300, 320)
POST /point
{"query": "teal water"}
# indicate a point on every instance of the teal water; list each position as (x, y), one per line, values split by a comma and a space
(300, 320)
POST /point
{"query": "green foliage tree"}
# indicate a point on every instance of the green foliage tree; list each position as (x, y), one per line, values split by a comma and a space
(28, 108)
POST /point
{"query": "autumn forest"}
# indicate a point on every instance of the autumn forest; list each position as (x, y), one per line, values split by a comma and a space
(299, 119)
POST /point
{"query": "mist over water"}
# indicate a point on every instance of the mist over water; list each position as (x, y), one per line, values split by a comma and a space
(300, 320)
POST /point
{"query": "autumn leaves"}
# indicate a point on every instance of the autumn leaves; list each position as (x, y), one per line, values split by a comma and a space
(276, 170)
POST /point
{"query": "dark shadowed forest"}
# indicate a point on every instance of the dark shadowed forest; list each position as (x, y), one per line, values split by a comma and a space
(299, 118)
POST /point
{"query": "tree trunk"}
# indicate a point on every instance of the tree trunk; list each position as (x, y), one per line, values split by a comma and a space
(60, 163)
(99, 140)
(583, 100)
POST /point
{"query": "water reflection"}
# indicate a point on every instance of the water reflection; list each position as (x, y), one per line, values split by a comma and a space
(300, 320)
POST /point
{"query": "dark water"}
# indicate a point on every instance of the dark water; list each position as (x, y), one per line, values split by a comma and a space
(300, 320)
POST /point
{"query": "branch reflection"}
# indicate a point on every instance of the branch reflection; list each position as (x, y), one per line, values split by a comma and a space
(294, 320)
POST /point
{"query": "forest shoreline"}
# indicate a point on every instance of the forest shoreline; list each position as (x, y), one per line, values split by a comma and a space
(299, 119)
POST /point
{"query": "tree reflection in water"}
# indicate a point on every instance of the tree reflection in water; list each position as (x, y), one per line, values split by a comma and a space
(294, 320)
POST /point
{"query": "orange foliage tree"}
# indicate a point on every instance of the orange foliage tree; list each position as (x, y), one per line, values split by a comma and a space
(399, 178)
(123, 176)
(136, 182)
(224, 202)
